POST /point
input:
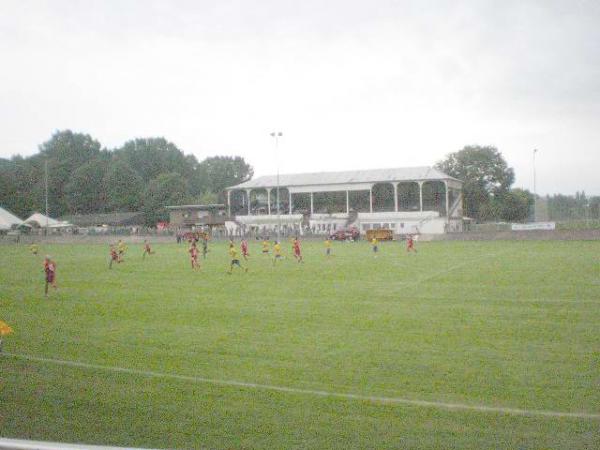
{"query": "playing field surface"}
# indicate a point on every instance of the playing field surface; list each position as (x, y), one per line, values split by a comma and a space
(464, 345)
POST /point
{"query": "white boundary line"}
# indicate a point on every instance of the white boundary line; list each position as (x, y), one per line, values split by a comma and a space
(319, 393)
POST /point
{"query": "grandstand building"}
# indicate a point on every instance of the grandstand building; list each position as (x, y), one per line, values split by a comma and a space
(405, 200)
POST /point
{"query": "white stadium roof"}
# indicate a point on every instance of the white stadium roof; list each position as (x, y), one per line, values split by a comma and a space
(8, 220)
(347, 177)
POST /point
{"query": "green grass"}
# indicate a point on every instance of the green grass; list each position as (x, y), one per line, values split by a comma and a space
(506, 324)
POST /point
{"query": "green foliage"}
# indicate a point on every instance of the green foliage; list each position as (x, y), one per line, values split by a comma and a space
(124, 187)
(86, 192)
(167, 189)
(577, 207)
(223, 171)
(485, 174)
(83, 178)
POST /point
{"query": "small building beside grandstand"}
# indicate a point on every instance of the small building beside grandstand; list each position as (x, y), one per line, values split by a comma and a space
(191, 217)
(405, 200)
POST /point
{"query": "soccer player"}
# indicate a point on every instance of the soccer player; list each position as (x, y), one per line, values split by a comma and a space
(147, 249)
(296, 249)
(244, 249)
(121, 248)
(50, 272)
(33, 248)
(327, 246)
(235, 261)
(114, 256)
(193, 251)
(204, 245)
(265, 247)
(374, 245)
(277, 252)
(410, 244)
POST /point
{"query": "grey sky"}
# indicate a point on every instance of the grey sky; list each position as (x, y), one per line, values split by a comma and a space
(352, 84)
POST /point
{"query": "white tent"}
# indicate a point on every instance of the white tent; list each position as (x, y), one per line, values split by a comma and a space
(8, 220)
(41, 221)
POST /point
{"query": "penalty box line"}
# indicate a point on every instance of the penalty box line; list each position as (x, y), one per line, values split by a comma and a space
(315, 393)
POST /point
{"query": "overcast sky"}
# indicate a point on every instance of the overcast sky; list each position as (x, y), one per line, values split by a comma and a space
(351, 84)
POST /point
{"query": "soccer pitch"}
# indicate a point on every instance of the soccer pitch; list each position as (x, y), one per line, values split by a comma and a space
(465, 345)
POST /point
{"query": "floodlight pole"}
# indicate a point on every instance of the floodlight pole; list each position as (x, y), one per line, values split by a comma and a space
(277, 135)
(534, 186)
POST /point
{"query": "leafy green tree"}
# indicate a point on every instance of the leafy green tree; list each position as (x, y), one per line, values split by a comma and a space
(209, 198)
(515, 205)
(166, 189)
(152, 157)
(485, 175)
(124, 187)
(224, 171)
(65, 152)
(86, 193)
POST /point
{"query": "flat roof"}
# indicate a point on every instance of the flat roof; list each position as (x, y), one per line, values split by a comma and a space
(347, 177)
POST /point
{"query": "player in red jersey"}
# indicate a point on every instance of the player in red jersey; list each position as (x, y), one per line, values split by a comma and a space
(194, 255)
(296, 249)
(50, 272)
(147, 249)
(410, 244)
(114, 256)
(244, 249)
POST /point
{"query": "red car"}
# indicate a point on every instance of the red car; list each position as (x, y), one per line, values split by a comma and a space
(351, 234)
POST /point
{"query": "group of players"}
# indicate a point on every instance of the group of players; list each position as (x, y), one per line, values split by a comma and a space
(117, 254)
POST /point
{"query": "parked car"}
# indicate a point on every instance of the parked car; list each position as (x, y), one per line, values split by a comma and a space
(351, 234)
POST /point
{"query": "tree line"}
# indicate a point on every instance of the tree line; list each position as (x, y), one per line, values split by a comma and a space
(148, 174)
(142, 175)
(489, 197)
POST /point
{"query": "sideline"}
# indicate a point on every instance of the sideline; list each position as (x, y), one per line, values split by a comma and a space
(320, 393)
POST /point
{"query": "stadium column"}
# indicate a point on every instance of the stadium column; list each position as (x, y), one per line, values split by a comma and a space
(269, 201)
(421, 196)
(447, 206)
(290, 197)
(395, 196)
(347, 202)
(371, 199)
(229, 203)
(248, 191)
(311, 204)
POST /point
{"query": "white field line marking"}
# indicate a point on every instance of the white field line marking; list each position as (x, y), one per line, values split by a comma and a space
(320, 393)
(459, 266)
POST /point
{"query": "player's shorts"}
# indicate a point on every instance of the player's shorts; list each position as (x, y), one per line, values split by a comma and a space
(278, 256)
(328, 251)
(265, 251)
(49, 277)
(375, 249)
(235, 262)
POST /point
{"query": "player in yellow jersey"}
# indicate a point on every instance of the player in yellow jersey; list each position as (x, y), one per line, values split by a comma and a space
(265, 247)
(235, 261)
(33, 248)
(374, 245)
(328, 247)
(121, 248)
(277, 252)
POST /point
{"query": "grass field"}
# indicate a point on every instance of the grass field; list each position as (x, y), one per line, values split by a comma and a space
(488, 324)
